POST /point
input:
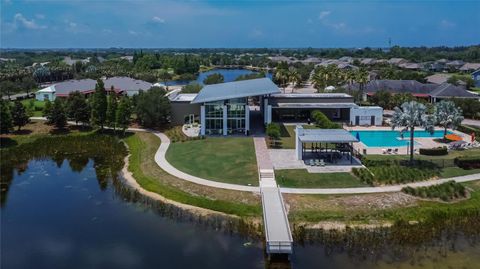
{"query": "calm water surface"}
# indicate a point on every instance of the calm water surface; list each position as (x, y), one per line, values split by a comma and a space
(56, 217)
(229, 75)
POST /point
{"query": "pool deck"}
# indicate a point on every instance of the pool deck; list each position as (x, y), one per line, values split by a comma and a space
(422, 142)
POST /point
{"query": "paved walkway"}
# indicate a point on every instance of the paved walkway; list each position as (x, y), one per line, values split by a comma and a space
(165, 165)
(393, 188)
(278, 236)
(471, 122)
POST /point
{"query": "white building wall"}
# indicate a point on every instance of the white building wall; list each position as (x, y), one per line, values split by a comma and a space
(202, 120)
(365, 114)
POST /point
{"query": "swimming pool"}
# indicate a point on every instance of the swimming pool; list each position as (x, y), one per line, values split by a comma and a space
(391, 138)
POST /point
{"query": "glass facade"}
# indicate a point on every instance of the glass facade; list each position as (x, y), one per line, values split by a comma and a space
(235, 116)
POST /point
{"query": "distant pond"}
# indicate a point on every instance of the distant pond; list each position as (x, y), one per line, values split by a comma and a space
(229, 75)
(64, 206)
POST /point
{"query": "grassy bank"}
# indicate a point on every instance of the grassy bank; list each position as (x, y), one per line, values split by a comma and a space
(142, 148)
(301, 178)
(229, 160)
(376, 208)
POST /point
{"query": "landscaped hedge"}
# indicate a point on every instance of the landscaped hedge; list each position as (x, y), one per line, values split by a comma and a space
(434, 151)
(468, 162)
(468, 130)
(388, 171)
(447, 191)
(176, 135)
(363, 174)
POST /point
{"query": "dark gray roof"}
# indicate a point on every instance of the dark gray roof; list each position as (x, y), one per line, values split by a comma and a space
(127, 84)
(236, 89)
(449, 90)
(416, 88)
(396, 86)
(86, 85)
(81, 85)
(327, 136)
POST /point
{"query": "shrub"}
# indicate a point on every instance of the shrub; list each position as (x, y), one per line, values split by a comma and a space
(468, 162)
(363, 174)
(176, 135)
(447, 191)
(323, 121)
(434, 151)
(391, 171)
(468, 130)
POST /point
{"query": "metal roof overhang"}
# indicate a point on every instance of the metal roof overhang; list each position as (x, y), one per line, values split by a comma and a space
(327, 136)
(316, 105)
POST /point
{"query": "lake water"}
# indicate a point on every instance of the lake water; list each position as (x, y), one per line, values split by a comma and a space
(66, 212)
(229, 75)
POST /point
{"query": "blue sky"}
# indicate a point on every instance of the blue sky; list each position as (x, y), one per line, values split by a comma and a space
(184, 24)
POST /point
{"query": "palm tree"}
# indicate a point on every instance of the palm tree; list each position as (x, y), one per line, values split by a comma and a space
(410, 115)
(294, 77)
(448, 115)
(281, 75)
(361, 77)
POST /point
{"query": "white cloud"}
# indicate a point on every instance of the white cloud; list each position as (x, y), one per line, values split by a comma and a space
(107, 31)
(40, 16)
(132, 32)
(256, 33)
(324, 14)
(20, 21)
(158, 19)
(447, 24)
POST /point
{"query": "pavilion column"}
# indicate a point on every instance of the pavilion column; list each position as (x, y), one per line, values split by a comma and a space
(224, 120)
(247, 119)
(298, 143)
(202, 120)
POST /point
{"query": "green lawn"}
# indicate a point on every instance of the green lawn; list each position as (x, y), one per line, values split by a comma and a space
(287, 136)
(229, 160)
(39, 105)
(457, 171)
(301, 178)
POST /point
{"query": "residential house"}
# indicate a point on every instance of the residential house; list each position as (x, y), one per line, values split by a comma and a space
(476, 77)
(430, 92)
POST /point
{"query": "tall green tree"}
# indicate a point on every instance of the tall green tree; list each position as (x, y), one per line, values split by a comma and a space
(123, 113)
(99, 105)
(58, 115)
(214, 78)
(111, 110)
(19, 115)
(409, 116)
(448, 115)
(47, 109)
(6, 123)
(78, 108)
(8, 88)
(192, 87)
(153, 107)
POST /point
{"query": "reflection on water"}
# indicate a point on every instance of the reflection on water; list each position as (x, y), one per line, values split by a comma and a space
(70, 210)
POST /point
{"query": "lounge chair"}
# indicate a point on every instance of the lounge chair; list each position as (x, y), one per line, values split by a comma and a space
(384, 151)
(322, 163)
(389, 151)
(395, 151)
(317, 162)
(311, 162)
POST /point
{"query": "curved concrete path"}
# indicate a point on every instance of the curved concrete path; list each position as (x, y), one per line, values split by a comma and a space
(161, 160)
(392, 188)
(165, 165)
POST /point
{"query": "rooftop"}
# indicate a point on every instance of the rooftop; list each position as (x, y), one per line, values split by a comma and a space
(327, 136)
(311, 95)
(236, 89)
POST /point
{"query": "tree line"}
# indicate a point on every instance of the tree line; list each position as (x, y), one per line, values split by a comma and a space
(101, 109)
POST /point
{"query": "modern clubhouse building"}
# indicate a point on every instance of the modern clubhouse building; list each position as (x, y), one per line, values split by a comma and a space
(237, 107)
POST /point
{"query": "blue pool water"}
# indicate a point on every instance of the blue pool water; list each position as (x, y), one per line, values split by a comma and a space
(391, 138)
